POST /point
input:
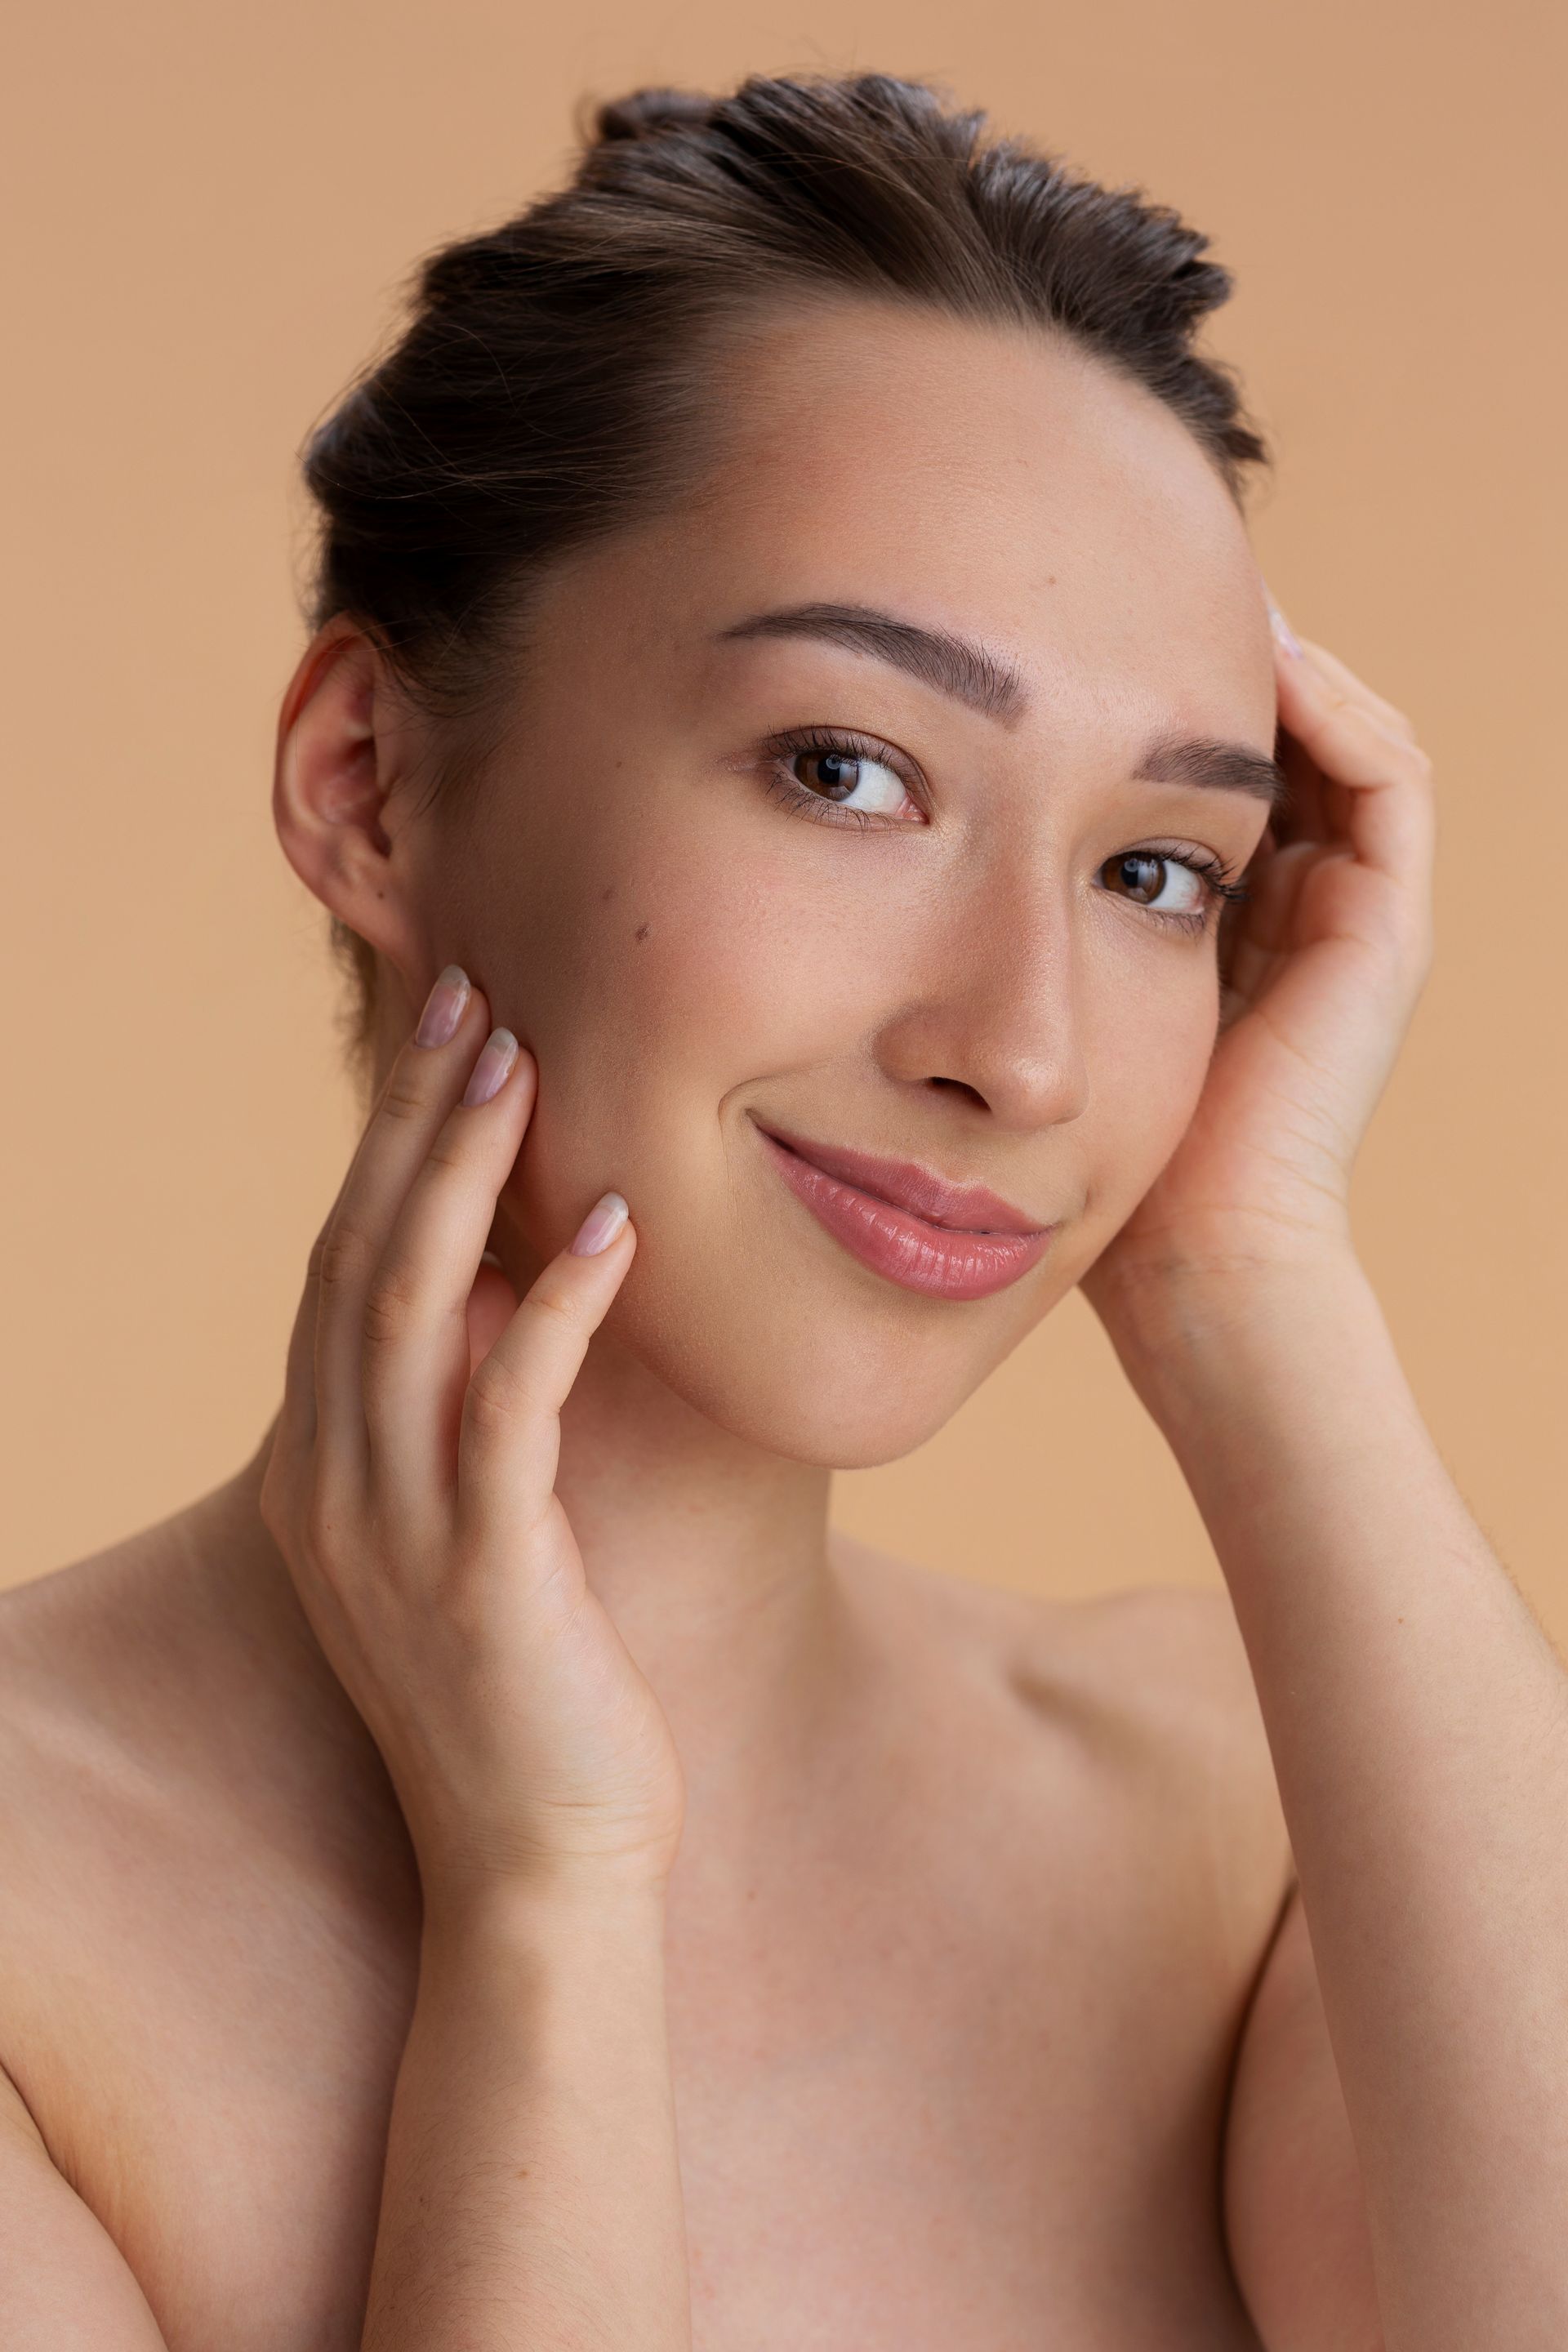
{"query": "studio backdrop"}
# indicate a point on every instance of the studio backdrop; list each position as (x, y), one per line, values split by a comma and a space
(211, 213)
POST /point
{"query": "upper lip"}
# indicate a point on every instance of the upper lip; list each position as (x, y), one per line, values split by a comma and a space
(903, 1185)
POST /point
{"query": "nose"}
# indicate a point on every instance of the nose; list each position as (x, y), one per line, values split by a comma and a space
(996, 1011)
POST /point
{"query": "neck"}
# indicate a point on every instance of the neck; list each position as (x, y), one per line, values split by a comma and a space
(710, 1553)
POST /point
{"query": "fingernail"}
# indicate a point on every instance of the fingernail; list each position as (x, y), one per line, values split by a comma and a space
(443, 1007)
(600, 1226)
(493, 1069)
(1283, 630)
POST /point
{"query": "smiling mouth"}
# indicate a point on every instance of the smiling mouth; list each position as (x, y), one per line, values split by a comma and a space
(903, 1185)
(915, 1229)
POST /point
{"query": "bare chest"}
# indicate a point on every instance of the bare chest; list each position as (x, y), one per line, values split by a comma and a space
(915, 2119)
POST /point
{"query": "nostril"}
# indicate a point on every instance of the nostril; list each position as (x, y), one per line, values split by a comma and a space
(962, 1087)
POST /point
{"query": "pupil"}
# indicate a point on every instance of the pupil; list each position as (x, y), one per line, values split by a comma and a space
(835, 776)
(1142, 876)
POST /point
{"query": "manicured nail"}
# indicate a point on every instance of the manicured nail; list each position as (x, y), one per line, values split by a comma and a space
(600, 1226)
(1283, 631)
(443, 1007)
(493, 1069)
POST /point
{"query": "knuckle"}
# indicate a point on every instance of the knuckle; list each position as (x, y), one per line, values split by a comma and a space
(275, 1504)
(341, 1254)
(555, 1299)
(497, 1399)
(551, 1304)
(404, 1097)
(447, 1153)
(391, 1306)
(321, 1533)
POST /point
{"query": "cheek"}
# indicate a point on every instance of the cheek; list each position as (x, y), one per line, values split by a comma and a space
(1148, 1059)
(733, 949)
(659, 978)
(649, 1050)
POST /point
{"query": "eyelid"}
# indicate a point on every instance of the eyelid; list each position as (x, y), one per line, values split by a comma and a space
(1180, 852)
(787, 743)
(826, 736)
(1220, 878)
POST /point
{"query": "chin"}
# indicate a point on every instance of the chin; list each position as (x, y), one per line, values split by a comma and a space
(822, 1372)
(856, 1433)
(862, 1440)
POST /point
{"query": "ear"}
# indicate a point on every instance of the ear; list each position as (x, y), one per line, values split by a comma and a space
(345, 739)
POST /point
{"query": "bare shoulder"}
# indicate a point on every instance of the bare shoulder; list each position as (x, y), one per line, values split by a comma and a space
(90, 1650)
(140, 1717)
(1145, 1696)
(67, 1641)
(165, 1688)
(1155, 1664)
(89, 1659)
(1149, 1665)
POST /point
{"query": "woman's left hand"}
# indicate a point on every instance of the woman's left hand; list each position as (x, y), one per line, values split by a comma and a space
(1320, 967)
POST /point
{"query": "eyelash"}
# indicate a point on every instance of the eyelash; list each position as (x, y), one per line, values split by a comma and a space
(1218, 879)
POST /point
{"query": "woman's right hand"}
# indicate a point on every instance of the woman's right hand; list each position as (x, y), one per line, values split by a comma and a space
(411, 1490)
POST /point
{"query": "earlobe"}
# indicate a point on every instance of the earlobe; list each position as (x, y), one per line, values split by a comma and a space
(340, 732)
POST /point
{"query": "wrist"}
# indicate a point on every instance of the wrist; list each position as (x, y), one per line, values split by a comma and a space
(565, 1902)
(1195, 1336)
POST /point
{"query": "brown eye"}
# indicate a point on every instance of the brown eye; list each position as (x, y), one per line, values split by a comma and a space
(1139, 876)
(851, 781)
(834, 774)
(1146, 878)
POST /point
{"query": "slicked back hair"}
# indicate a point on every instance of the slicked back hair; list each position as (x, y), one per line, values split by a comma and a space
(548, 386)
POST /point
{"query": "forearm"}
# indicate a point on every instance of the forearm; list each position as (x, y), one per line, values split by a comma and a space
(533, 2191)
(1418, 1721)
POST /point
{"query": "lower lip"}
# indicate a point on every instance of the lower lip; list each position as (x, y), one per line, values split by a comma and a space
(937, 1259)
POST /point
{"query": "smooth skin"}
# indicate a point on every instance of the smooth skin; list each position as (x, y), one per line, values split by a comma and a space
(497, 1871)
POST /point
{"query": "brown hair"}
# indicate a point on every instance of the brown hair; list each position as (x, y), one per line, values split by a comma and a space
(548, 386)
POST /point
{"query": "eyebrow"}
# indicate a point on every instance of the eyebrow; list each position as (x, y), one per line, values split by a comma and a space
(954, 666)
(1226, 767)
(958, 667)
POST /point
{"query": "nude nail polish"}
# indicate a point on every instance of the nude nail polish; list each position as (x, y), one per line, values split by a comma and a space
(493, 1069)
(443, 1007)
(600, 1226)
(1283, 631)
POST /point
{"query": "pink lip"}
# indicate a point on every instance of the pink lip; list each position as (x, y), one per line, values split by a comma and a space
(957, 1240)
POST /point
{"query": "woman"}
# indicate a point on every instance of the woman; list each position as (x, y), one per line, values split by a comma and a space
(790, 708)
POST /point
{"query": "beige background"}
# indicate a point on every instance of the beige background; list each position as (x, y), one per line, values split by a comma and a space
(212, 209)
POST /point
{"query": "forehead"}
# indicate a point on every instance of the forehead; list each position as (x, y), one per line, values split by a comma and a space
(994, 481)
(994, 457)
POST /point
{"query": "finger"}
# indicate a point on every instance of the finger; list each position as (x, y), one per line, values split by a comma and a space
(297, 1421)
(294, 1430)
(1304, 817)
(511, 1436)
(1272, 891)
(415, 1356)
(1341, 674)
(421, 1086)
(492, 1302)
(1388, 816)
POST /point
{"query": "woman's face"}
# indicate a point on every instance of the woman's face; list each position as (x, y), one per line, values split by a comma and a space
(745, 868)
